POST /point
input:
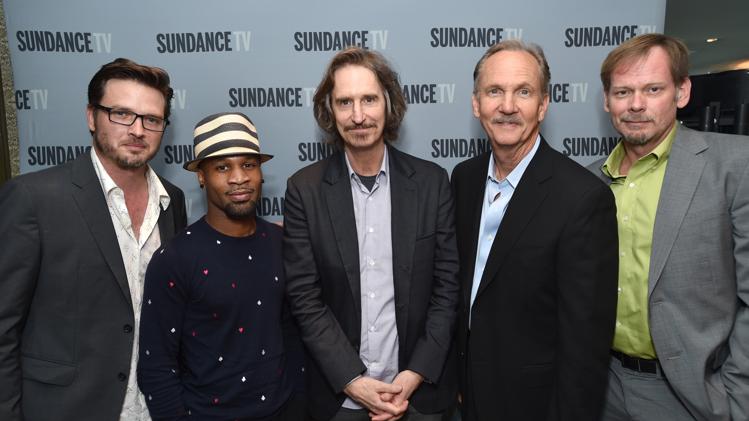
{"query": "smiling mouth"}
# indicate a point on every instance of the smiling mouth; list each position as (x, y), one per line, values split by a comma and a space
(507, 121)
(636, 122)
(240, 195)
(507, 125)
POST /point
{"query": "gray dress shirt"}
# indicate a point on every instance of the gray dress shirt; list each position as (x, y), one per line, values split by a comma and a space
(379, 335)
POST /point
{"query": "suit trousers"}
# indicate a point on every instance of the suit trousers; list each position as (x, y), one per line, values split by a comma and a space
(636, 396)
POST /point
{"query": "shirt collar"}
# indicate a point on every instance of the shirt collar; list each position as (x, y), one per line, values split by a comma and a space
(661, 152)
(513, 178)
(383, 166)
(108, 185)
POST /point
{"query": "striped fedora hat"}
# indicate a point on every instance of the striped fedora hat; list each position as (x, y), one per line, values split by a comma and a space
(224, 134)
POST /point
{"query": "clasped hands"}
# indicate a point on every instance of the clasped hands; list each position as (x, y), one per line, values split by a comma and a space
(385, 401)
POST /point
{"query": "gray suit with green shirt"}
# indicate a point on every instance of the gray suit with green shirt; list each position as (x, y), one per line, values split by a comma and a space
(698, 282)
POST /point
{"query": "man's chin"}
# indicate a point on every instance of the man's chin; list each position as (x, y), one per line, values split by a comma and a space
(131, 164)
(240, 212)
(132, 161)
(636, 140)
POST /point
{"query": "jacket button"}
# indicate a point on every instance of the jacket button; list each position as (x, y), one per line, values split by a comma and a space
(122, 377)
(127, 328)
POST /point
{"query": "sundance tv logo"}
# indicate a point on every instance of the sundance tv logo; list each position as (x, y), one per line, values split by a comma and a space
(462, 37)
(375, 39)
(203, 42)
(31, 99)
(64, 42)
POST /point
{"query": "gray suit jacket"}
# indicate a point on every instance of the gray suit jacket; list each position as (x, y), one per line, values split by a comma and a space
(698, 281)
(66, 317)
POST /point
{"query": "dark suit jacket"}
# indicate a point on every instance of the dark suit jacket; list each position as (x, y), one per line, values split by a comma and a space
(66, 317)
(321, 259)
(543, 318)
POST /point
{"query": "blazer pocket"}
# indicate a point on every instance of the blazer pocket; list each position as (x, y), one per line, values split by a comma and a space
(537, 375)
(49, 372)
(424, 250)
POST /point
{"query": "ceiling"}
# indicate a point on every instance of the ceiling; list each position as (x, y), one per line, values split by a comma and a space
(693, 21)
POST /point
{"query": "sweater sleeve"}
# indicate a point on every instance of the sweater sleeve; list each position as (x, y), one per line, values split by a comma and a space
(165, 296)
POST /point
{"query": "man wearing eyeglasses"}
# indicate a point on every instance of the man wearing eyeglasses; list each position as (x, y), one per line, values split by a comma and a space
(78, 238)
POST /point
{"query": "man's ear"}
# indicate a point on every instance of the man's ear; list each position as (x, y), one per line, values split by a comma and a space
(683, 93)
(201, 178)
(91, 117)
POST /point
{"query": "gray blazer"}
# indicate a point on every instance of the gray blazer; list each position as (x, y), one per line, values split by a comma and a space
(66, 317)
(698, 283)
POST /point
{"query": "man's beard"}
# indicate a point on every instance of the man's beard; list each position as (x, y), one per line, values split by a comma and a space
(637, 140)
(240, 211)
(640, 138)
(121, 161)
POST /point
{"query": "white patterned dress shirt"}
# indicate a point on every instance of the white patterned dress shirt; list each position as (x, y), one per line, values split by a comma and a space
(136, 253)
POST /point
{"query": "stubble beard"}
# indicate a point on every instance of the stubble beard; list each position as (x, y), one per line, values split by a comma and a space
(123, 162)
(636, 140)
(241, 211)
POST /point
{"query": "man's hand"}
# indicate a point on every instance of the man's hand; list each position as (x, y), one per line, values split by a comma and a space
(409, 381)
(369, 392)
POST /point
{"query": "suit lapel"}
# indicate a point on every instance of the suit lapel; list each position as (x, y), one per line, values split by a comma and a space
(166, 224)
(474, 200)
(336, 190)
(528, 196)
(683, 173)
(89, 197)
(403, 223)
(166, 218)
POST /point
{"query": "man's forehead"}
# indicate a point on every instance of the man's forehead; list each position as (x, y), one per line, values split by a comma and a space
(652, 62)
(356, 77)
(358, 68)
(228, 160)
(628, 67)
(118, 84)
(133, 91)
(506, 66)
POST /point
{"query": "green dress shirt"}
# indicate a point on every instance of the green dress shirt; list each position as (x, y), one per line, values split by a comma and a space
(636, 196)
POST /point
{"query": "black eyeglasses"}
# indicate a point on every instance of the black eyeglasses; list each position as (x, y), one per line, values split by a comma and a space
(127, 118)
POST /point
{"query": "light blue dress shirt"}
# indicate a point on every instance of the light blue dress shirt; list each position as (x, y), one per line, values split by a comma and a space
(497, 195)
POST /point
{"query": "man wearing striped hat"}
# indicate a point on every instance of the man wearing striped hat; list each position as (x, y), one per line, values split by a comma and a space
(214, 344)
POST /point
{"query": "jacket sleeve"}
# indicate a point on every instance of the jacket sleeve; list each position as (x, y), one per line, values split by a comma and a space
(430, 352)
(180, 219)
(587, 270)
(320, 331)
(734, 369)
(19, 265)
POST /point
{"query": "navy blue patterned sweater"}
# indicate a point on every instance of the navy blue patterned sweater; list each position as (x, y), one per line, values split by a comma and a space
(212, 331)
